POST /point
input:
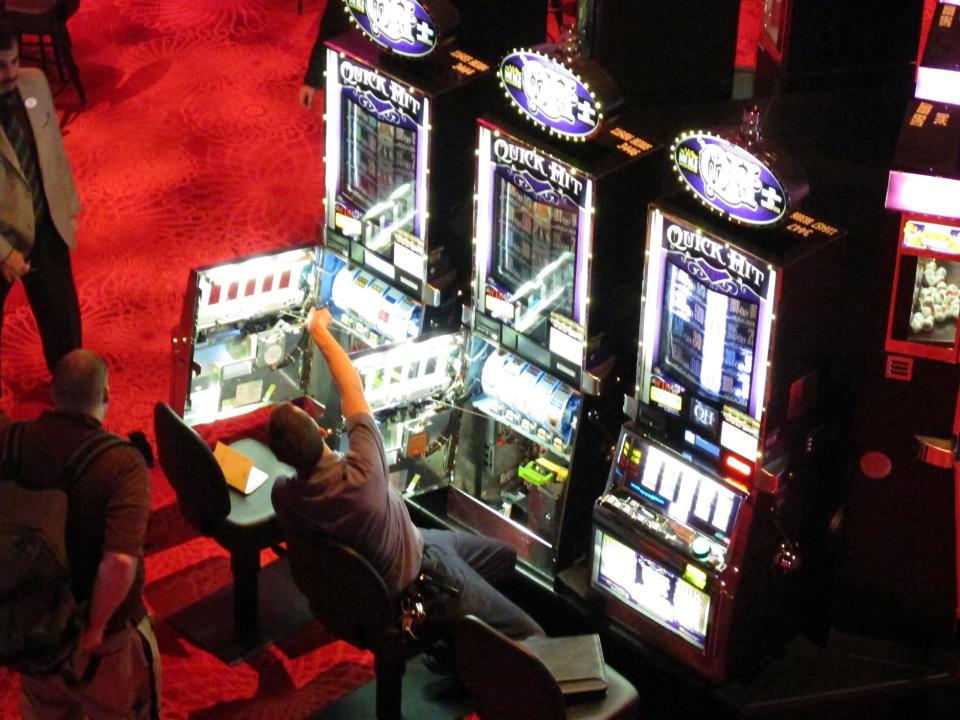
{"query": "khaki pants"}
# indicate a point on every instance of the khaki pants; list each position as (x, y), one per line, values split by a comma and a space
(125, 686)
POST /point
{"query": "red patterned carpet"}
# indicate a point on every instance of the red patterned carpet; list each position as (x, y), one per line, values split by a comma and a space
(191, 150)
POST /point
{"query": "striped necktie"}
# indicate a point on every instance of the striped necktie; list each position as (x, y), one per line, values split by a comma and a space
(21, 146)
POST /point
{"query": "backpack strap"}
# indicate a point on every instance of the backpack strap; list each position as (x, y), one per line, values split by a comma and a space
(77, 463)
(85, 453)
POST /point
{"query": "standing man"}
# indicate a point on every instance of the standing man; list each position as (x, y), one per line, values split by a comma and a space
(333, 22)
(107, 510)
(349, 498)
(38, 203)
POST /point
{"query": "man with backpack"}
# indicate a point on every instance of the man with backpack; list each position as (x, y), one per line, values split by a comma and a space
(64, 470)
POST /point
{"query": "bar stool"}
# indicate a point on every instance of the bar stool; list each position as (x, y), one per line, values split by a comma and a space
(47, 19)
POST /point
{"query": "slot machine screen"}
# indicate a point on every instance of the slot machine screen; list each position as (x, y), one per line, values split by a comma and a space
(534, 255)
(378, 173)
(658, 592)
(708, 337)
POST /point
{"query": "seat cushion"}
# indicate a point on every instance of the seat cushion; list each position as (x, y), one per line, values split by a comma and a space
(249, 511)
(620, 702)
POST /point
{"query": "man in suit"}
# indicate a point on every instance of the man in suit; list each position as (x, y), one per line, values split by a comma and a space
(38, 203)
(333, 22)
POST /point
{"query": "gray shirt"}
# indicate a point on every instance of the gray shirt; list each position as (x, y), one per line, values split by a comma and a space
(349, 498)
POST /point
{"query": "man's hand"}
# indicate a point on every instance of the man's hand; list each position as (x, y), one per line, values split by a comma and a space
(14, 267)
(306, 96)
(318, 321)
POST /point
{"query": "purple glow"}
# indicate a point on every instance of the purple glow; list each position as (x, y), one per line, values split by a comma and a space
(924, 194)
(938, 85)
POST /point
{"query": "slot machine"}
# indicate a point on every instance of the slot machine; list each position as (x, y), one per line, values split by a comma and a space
(402, 96)
(899, 575)
(692, 44)
(240, 343)
(699, 532)
(554, 298)
(817, 43)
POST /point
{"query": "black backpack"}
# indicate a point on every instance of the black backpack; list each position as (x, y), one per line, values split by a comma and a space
(40, 621)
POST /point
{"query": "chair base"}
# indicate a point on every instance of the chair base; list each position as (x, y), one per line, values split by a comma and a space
(425, 695)
(283, 610)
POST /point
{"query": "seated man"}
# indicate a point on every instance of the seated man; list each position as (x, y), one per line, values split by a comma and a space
(349, 498)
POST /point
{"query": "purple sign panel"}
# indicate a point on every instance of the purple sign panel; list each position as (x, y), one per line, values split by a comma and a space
(403, 26)
(550, 94)
(729, 179)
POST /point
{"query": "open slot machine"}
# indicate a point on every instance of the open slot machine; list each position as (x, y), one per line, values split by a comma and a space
(899, 573)
(402, 96)
(554, 296)
(240, 344)
(699, 531)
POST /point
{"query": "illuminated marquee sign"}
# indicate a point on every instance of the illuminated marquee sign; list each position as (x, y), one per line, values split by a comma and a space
(723, 266)
(550, 94)
(380, 94)
(403, 26)
(730, 180)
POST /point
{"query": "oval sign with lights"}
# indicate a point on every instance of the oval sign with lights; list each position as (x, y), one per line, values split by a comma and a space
(550, 94)
(729, 179)
(403, 26)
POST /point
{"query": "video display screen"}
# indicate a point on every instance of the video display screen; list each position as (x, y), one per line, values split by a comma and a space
(652, 589)
(708, 337)
(535, 249)
(378, 171)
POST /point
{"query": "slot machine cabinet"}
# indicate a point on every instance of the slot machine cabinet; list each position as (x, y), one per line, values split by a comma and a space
(810, 44)
(685, 50)
(898, 576)
(402, 96)
(554, 296)
(700, 533)
(938, 74)
(240, 344)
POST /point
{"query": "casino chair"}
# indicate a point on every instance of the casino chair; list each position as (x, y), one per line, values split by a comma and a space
(47, 19)
(508, 682)
(349, 597)
(242, 524)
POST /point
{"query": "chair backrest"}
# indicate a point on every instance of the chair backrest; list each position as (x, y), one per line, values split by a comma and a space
(504, 679)
(192, 470)
(346, 593)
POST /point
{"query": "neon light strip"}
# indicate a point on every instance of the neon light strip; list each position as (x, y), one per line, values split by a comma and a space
(332, 160)
(938, 85)
(423, 160)
(654, 277)
(763, 350)
(583, 249)
(484, 220)
(927, 194)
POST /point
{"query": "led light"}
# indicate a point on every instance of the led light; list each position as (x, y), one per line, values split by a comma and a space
(737, 484)
(738, 465)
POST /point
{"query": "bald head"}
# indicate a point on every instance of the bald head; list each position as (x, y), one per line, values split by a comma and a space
(294, 437)
(80, 383)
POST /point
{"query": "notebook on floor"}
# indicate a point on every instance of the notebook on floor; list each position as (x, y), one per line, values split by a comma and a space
(575, 661)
